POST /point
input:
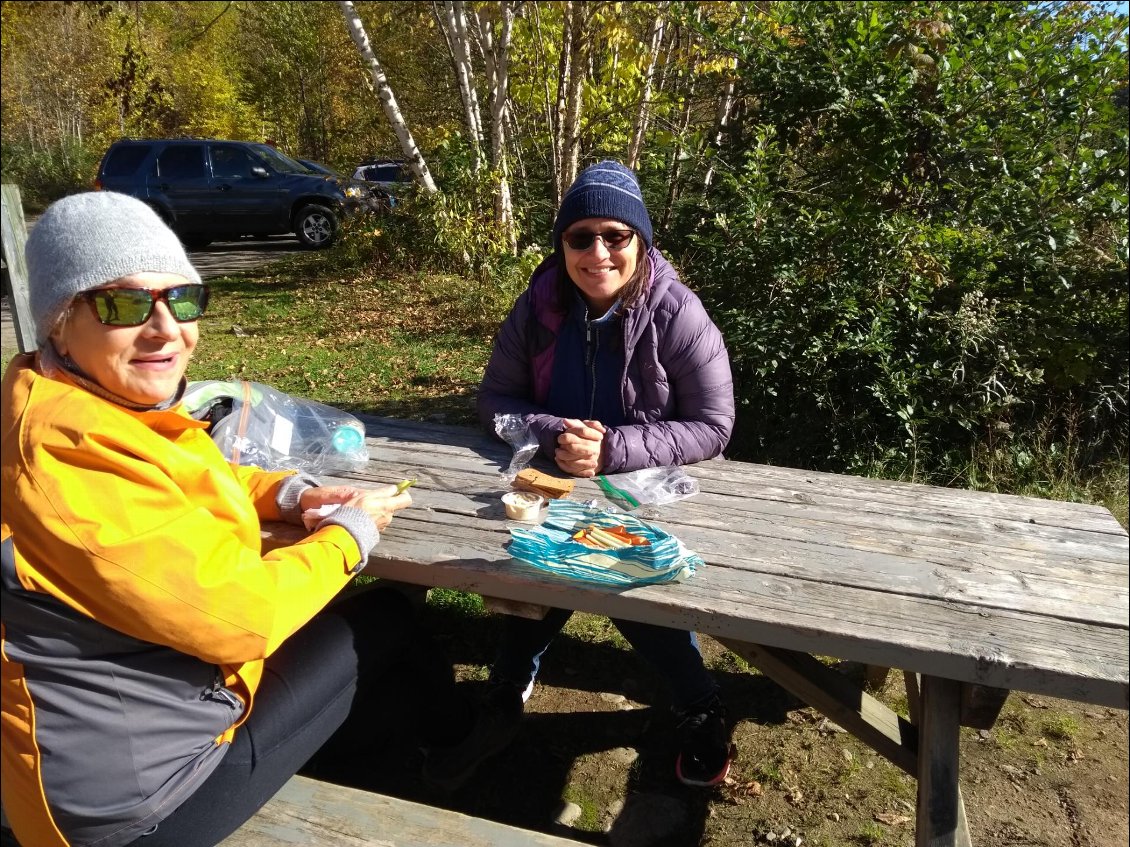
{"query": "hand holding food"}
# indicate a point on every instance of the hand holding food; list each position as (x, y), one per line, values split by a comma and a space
(327, 495)
(380, 503)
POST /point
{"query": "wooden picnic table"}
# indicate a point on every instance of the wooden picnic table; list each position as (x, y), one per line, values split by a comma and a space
(969, 594)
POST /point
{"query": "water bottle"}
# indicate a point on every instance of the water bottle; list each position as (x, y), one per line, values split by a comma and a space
(348, 439)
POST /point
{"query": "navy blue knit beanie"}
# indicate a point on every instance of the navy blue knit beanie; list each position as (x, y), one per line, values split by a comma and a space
(604, 190)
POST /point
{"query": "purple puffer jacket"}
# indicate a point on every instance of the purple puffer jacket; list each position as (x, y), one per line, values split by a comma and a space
(677, 389)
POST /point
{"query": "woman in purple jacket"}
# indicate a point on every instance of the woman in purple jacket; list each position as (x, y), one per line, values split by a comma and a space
(615, 366)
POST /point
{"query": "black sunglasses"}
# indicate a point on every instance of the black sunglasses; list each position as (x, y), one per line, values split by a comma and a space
(133, 306)
(613, 239)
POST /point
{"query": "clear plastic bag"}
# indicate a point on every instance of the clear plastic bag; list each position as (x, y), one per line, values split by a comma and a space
(514, 430)
(648, 486)
(254, 424)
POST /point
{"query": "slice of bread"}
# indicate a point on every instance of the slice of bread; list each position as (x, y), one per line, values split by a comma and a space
(552, 487)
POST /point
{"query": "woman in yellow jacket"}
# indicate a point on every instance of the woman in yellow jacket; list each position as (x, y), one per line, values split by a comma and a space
(162, 678)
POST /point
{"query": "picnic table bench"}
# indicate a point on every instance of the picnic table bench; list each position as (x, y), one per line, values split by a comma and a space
(310, 813)
(969, 594)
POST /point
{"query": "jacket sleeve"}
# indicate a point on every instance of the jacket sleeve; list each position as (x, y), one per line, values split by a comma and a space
(119, 539)
(507, 384)
(693, 355)
(262, 487)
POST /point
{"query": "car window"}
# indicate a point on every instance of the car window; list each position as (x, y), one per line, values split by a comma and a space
(317, 167)
(181, 161)
(125, 160)
(384, 173)
(231, 162)
(277, 161)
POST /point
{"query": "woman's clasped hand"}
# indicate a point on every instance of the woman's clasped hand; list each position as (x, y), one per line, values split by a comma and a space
(579, 447)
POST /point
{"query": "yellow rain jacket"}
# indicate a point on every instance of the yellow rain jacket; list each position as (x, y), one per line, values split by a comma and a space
(137, 607)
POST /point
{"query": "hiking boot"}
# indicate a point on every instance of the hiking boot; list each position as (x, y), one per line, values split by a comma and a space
(496, 725)
(705, 751)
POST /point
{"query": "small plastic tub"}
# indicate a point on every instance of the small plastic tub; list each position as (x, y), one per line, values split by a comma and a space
(522, 505)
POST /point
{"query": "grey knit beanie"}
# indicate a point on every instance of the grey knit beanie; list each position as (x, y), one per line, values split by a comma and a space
(604, 190)
(88, 240)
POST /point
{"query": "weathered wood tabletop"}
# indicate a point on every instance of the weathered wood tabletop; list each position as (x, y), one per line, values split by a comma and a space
(965, 592)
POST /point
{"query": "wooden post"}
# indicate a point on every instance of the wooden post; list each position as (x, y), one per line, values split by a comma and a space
(941, 813)
(15, 237)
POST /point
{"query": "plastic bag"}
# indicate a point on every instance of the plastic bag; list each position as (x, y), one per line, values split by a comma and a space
(648, 486)
(254, 424)
(514, 430)
(551, 547)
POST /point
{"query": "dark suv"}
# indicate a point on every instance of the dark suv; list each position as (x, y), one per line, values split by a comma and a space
(208, 190)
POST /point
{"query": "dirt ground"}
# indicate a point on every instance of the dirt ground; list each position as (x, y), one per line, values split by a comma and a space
(598, 735)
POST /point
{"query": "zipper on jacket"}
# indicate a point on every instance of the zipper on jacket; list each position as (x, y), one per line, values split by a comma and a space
(590, 355)
(218, 693)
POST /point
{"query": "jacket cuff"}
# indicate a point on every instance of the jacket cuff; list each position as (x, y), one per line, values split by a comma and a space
(289, 493)
(547, 437)
(357, 523)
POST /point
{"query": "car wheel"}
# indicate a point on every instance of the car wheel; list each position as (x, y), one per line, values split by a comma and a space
(195, 241)
(315, 226)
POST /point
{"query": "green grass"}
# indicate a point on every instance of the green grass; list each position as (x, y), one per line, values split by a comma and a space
(769, 773)
(589, 820)
(456, 602)
(870, 833)
(1060, 728)
(595, 629)
(411, 346)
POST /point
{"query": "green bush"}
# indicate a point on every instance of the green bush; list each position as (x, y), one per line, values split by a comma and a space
(920, 243)
(46, 175)
(454, 231)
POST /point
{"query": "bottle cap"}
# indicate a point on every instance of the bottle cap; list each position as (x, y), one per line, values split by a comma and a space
(347, 439)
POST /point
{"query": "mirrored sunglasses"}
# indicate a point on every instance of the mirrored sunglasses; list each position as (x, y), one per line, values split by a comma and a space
(613, 239)
(133, 306)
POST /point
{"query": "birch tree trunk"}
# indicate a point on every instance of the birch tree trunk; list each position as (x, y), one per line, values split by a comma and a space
(455, 22)
(579, 41)
(722, 118)
(388, 100)
(639, 126)
(564, 72)
(550, 116)
(497, 49)
(689, 81)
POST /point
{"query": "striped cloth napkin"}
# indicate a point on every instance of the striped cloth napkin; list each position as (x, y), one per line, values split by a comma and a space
(550, 547)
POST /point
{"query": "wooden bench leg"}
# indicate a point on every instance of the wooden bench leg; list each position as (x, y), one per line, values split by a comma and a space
(913, 704)
(941, 814)
(981, 705)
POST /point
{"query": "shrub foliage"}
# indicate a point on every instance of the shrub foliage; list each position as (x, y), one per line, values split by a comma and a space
(917, 242)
